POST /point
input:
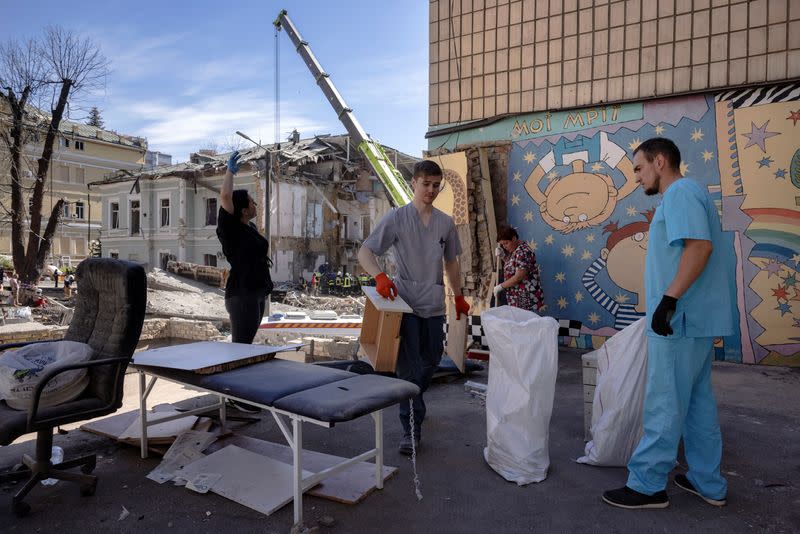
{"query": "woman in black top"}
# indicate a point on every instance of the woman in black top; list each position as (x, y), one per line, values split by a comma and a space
(247, 251)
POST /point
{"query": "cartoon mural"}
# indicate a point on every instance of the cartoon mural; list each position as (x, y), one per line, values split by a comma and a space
(743, 146)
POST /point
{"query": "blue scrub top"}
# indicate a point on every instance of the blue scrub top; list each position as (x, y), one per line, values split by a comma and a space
(707, 307)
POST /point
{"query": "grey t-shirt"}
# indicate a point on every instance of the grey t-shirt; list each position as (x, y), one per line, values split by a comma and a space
(419, 251)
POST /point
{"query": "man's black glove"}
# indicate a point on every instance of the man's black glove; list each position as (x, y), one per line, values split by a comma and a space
(663, 315)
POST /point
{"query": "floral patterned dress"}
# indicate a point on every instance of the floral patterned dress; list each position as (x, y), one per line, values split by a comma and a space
(528, 293)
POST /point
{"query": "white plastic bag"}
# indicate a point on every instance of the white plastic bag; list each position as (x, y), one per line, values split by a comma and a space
(21, 370)
(519, 400)
(618, 397)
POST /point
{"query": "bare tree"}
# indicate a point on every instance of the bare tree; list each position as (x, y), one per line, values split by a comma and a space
(48, 71)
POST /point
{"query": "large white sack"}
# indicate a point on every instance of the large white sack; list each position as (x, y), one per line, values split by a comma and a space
(519, 398)
(618, 397)
(21, 370)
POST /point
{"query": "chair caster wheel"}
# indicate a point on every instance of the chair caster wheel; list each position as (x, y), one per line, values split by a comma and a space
(21, 508)
(87, 490)
(87, 468)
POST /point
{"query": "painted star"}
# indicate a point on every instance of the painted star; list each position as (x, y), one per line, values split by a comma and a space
(772, 267)
(633, 145)
(631, 211)
(552, 175)
(684, 168)
(517, 176)
(596, 166)
(784, 308)
(533, 244)
(707, 156)
(790, 280)
(578, 296)
(780, 293)
(621, 298)
(758, 136)
(514, 200)
(780, 173)
(659, 130)
(530, 157)
(764, 162)
(549, 239)
(586, 255)
(529, 216)
(796, 259)
(560, 277)
(590, 238)
(543, 308)
(697, 135)
(594, 318)
(562, 303)
(794, 116)
(568, 250)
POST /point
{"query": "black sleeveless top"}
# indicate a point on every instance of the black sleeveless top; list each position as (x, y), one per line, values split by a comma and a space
(248, 253)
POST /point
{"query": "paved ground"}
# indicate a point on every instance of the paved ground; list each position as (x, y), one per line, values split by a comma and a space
(759, 410)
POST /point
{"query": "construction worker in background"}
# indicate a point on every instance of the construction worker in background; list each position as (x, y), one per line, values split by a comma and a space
(687, 275)
(314, 282)
(347, 284)
(424, 240)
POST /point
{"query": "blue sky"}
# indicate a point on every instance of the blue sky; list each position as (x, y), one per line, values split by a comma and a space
(188, 74)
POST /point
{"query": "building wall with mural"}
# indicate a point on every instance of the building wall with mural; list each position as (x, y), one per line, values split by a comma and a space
(572, 196)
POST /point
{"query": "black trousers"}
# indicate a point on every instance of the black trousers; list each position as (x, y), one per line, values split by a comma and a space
(245, 312)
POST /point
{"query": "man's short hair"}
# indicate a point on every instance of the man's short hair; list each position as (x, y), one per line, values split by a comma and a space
(427, 167)
(661, 145)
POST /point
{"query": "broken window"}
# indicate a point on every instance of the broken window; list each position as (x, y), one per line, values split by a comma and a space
(211, 212)
(314, 219)
(134, 217)
(114, 215)
(164, 212)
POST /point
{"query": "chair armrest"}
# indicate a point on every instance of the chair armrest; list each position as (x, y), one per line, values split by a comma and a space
(37, 393)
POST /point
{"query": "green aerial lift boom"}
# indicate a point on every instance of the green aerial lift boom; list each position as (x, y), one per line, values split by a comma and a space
(400, 193)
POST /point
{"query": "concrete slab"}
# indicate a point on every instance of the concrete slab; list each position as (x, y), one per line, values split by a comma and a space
(461, 493)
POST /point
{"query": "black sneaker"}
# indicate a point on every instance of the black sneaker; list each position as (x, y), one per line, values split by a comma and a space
(625, 497)
(682, 482)
(405, 446)
(242, 406)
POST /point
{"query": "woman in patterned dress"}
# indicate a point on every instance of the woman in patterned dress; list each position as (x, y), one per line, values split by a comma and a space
(521, 281)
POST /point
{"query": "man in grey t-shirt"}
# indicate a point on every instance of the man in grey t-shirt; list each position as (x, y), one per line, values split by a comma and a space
(424, 240)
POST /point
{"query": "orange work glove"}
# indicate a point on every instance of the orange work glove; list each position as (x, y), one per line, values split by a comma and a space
(461, 307)
(385, 287)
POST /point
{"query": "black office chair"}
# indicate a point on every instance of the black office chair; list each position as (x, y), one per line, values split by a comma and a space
(108, 317)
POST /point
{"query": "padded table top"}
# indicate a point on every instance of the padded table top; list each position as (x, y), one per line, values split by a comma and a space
(321, 393)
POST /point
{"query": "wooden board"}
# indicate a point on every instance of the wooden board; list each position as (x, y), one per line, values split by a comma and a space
(456, 347)
(253, 480)
(382, 304)
(349, 487)
(207, 357)
(167, 430)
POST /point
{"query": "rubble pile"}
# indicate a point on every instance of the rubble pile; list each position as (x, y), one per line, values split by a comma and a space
(341, 305)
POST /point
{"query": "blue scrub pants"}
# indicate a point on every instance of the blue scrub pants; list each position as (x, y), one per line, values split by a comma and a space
(418, 357)
(679, 402)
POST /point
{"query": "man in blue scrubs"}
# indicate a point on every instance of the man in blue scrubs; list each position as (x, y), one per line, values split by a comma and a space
(425, 245)
(687, 283)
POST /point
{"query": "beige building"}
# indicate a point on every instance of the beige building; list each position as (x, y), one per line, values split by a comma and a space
(82, 154)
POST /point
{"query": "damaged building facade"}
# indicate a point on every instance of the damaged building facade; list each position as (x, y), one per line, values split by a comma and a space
(324, 201)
